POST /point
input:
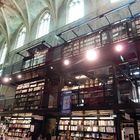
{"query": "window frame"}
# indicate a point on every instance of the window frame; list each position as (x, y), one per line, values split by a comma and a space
(38, 33)
(114, 1)
(68, 11)
(3, 53)
(20, 40)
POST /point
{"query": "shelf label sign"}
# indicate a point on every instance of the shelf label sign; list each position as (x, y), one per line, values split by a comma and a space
(127, 116)
(66, 102)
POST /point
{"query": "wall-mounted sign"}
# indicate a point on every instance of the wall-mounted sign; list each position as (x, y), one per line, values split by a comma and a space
(37, 117)
(66, 102)
(32, 128)
(127, 116)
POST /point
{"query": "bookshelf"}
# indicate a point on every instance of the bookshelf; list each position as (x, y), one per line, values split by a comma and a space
(37, 60)
(19, 125)
(137, 24)
(101, 128)
(119, 32)
(80, 46)
(139, 128)
(29, 95)
(92, 92)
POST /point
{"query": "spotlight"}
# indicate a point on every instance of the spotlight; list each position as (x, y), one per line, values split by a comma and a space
(19, 76)
(100, 84)
(80, 77)
(66, 62)
(10, 78)
(51, 67)
(70, 82)
(119, 48)
(91, 55)
(6, 79)
(136, 73)
(121, 57)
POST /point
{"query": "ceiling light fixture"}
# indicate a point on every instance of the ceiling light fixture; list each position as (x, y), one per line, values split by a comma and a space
(66, 62)
(19, 76)
(119, 48)
(80, 77)
(91, 55)
(6, 79)
(10, 78)
(51, 67)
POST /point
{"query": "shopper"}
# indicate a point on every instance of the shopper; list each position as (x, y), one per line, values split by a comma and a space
(48, 136)
(41, 137)
(28, 136)
(1, 137)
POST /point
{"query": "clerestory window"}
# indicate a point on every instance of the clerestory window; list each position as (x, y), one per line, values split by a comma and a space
(75, 10)
(21, 37)
(3, 52)
(44, 24)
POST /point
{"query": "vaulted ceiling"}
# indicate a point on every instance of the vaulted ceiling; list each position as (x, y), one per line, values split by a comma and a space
(13, 13)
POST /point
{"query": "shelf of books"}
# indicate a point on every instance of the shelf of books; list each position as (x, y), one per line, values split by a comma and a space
(38, 60)
(139, 128)
(91, 93)
(137, 23)
(19, 125)
(88, 128)
(80, 46)
(119, 32)
(29, 95)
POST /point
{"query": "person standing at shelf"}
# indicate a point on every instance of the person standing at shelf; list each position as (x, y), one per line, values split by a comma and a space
(68, 136)
(41, 137)
(1, 137)
(28, 136)
(131, 137)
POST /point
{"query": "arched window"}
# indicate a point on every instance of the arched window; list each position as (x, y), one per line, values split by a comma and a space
(21, 37)
(113, 1)
(3, 52)
(43, 26)
(76, 10)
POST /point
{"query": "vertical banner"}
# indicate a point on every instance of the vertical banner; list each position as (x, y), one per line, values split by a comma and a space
(66, 102)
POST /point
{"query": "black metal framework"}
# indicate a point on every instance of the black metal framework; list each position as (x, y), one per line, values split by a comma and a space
(113, 91)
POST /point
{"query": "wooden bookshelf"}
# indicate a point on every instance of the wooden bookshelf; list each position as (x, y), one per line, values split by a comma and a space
(87, 127)
(137, 24)
(29, 95)
(19, 125)
(119, 32)
(88, 96)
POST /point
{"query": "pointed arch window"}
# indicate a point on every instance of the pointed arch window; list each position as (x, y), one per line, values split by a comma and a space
(21, 37)
(3, 52)
(76, 10)
(113, 1)
(44, 24)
